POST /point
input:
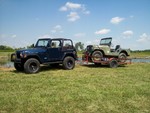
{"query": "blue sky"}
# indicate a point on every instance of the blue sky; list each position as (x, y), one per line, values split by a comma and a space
(22, 22)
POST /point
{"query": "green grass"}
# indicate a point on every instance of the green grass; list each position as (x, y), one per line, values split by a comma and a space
(140, 54)
(5, 57)
(85, 89)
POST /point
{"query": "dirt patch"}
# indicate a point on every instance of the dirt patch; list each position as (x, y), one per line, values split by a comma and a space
(6, 69)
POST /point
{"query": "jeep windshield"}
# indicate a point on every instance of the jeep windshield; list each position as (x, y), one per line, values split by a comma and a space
(106, 41)
(42, 43)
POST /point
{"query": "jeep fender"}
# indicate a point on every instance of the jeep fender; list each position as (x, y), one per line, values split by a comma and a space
(34, 56)
(69, 54)
(98, 50)
(123, 51)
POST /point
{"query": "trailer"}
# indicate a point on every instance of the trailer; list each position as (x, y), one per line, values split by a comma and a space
(112, 62)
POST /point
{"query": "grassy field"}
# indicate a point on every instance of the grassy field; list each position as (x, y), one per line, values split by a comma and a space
(86, 89)
(140, 54)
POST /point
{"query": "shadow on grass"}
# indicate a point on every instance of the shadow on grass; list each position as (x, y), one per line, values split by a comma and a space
(48, 68)
(43, 69)
(99, 66)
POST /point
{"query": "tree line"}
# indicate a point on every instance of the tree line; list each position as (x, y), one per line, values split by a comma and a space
(79, 46)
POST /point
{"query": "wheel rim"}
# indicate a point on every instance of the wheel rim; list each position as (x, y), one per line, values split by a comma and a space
(122, 58)
(70, 63)
(97, 57)
(113, 64)
(33, 67)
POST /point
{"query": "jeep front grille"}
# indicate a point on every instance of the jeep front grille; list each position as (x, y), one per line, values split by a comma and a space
(18, 55)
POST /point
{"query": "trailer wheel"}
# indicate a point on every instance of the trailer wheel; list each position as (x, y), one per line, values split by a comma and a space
(113, 64)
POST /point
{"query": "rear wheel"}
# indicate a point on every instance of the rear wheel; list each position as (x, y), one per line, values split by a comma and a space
(97, 56)
(32, 65)
(122, 57)
(68, 63)
(18, 66)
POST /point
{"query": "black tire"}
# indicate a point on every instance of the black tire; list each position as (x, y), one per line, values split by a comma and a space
(122, 57)
(97, 56)
(68, 63)
(113, 64)
(31, 66)
(18, 66)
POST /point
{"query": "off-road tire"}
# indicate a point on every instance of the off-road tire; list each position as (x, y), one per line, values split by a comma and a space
(18, 66)
(68, 63)
(122, 57)
(113, 64)
(31, 66)
(97, 56)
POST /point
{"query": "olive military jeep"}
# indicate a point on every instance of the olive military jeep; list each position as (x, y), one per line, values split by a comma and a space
(99, 52)
(46, 51)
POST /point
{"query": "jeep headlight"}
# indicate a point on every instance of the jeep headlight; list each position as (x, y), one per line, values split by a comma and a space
(23, 54)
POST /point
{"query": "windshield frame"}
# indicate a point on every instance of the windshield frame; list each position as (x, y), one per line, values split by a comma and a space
(45, 43)
(106, 41)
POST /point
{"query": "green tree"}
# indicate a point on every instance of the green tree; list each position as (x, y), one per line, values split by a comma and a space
(31, 46)
(3, 47)
(79, 46)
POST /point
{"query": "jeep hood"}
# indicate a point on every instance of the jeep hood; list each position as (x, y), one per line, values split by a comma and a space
(33, 50)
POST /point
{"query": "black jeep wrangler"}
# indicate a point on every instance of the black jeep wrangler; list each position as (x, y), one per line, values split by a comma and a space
(46, 51)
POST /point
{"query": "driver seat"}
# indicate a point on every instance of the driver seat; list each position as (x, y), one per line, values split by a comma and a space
(117, 48)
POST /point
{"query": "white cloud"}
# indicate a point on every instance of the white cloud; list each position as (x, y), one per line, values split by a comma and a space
(127, 34)
(70, 6)
(63, 8)
(73, 16)
(84, 10)
(116, 20)
(75, 9)
(79, 35)
(144, 38)
(57, 28)
(102, 31)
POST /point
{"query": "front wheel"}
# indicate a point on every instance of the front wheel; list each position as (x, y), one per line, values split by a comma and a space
(68, 63)
(31, 66)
